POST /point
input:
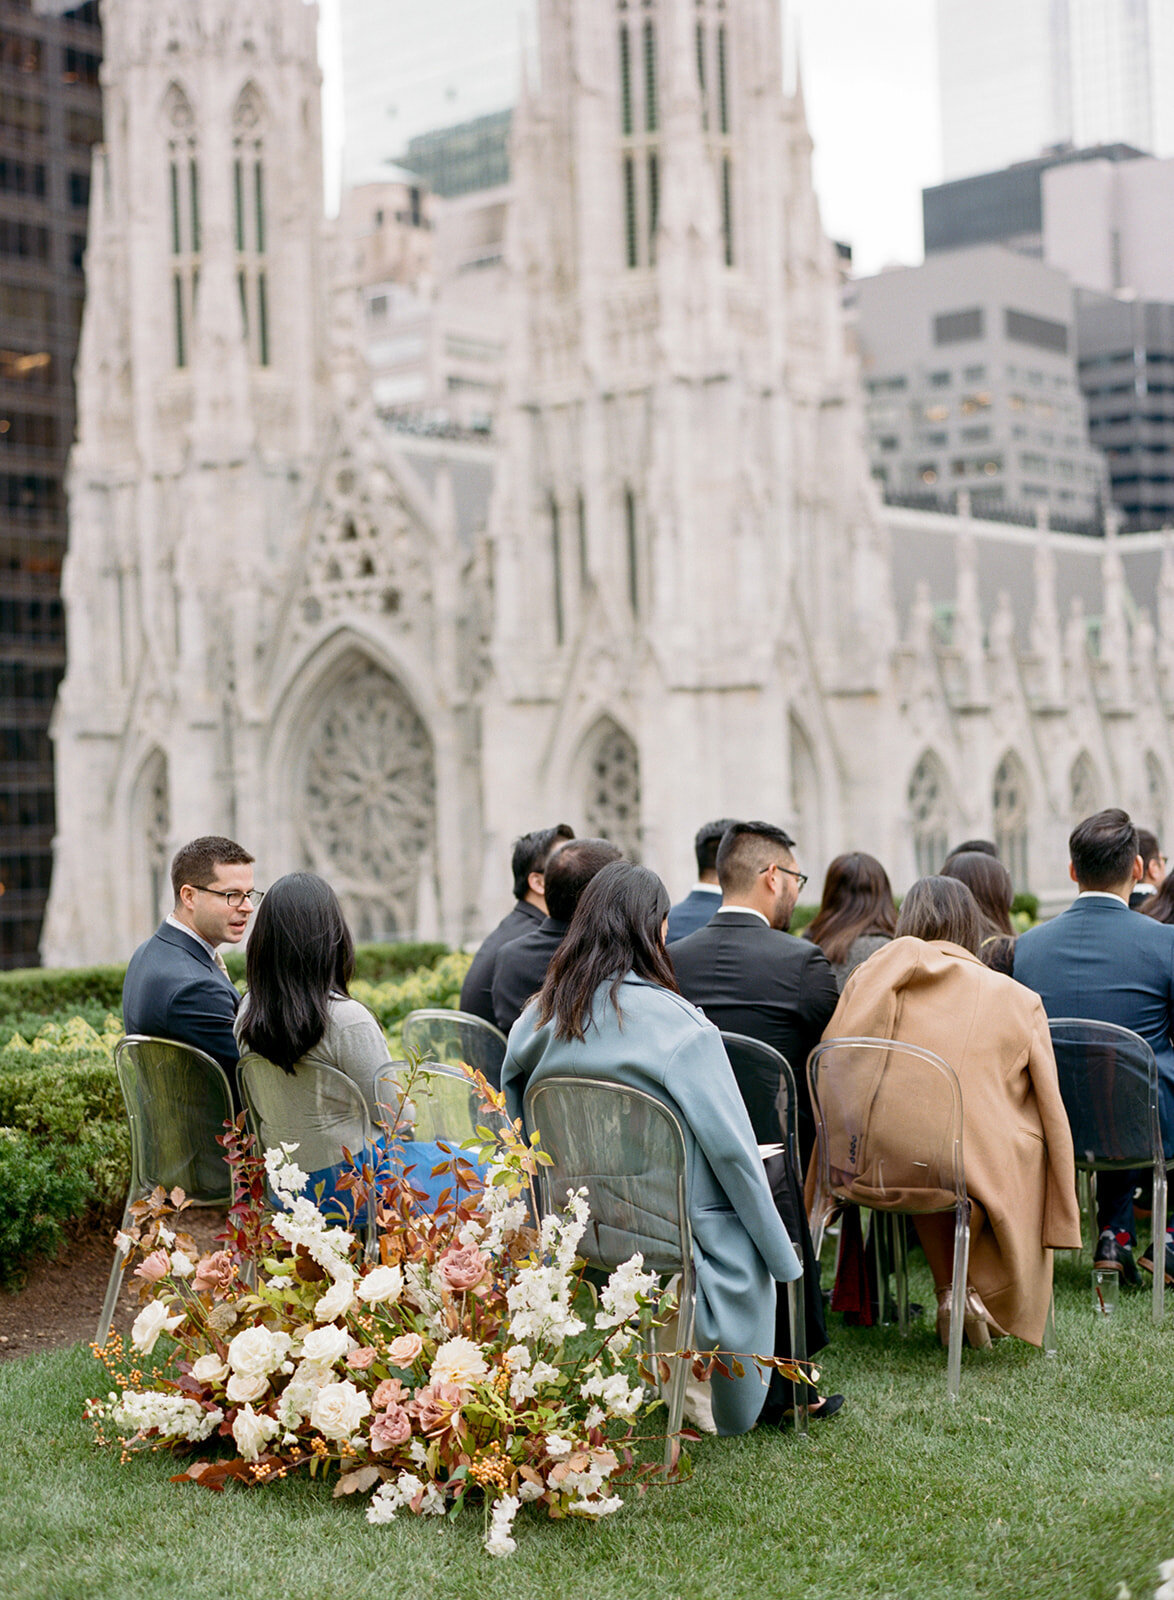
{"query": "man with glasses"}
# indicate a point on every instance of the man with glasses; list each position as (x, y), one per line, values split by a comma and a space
(176, 985)
(1153, 869)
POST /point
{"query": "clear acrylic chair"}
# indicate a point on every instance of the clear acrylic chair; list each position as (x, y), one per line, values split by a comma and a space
(319, 1109)
(767, 1086)
(456, 1038)
(177, 1102)
(860, 1093)
(1109, 1084)
(627, 1149)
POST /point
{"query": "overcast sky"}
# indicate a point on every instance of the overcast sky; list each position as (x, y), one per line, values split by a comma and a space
(870, 79)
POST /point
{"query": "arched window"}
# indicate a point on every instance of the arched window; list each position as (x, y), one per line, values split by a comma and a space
(929, 814)
(611, 805)
(1083, 789)
(251, 228)
(367, 800)
(184, 195)
(713, 76)
(1009, 817)
(639, 84)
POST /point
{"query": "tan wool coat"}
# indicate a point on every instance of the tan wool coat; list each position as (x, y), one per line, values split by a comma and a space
(1016, 1143)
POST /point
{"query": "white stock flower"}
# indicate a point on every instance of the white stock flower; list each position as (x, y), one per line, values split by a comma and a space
(166, 1237)
(257, 1351)
(528, 1490)
(326, 1345)
(418, 1452)
(151, 1321)
(241, 1390)
(458, 1361)
(525, 1385)
(385, 1502)
(623, 1291)
(596, 1508)
(471, 1234)
(538, 1301)
(338, 1410)
(174, 1416)
(209, 1369)
(614, 1393)
(558, 1448)
(595, 1417)
(123, 1243)
(433, 1503)
(337, 1300)
(252, 1432)
(181, 1266)
(498, 1542)
(383, 1283)
(286, 1178)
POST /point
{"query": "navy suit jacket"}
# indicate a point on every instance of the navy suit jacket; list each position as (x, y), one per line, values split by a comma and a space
(477, 989)
(691, 913)
(174, 990)
(1099, 960)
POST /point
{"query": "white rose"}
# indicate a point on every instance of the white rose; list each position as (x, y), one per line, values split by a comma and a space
(385, 1283)
(458, 1361)
(338, 1410)
(256, 1352)
(151, 1321)
(339, 1298)
(241, 1389)
(326, 1345)
(251, 1432)
(181, 1266)
(209, 1369)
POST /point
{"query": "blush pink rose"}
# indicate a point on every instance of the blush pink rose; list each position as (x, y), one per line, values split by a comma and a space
(388, 1393)
(390, 1428)
(153, 1267)
(359, 1360)
(435, 1405)
(462, 1267)
(213, 1272)
(403, 1351)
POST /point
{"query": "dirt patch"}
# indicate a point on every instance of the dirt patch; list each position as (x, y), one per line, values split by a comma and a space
(60, 1302)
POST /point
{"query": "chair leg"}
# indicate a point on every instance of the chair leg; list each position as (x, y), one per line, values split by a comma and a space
(1090, 1209)
(114, 1284)
(900, 1271)
(1050, 1346)
(1158, 1235)
(958, 1305)
(797, 1312)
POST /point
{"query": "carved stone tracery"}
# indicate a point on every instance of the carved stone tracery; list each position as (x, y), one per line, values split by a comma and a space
(612, 803)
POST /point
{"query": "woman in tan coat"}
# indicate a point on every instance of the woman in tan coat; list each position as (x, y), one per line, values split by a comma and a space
(929, 988)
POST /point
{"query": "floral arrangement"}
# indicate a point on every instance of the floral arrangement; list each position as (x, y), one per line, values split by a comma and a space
(460, 1359)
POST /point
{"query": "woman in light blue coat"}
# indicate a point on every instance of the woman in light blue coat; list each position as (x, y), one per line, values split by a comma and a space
(610, 1009)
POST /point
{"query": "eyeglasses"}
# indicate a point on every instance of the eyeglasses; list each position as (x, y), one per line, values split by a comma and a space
(233, 898)
(799, 877)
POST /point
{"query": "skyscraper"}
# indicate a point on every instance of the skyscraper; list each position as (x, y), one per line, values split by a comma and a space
(1018, 77)
(408, 68)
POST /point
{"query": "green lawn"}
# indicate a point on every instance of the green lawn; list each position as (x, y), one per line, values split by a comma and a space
(1048, 1478)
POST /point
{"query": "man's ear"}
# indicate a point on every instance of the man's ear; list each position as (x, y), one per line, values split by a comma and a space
(1138, 869)
(1072, 872)
(537, 882)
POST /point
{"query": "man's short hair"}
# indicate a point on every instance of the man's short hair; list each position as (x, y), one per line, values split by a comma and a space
(746, 849)
(196, 863)
(570, 869)
(705, 844)
(1103, 848)
(981, 847)
(532, 852)
(1148, 847)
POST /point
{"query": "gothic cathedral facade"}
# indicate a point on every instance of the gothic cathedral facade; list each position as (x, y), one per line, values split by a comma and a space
(683, 598)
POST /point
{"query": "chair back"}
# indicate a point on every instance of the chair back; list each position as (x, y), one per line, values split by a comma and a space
(316, 1107)
(1109, 1084)
(456, 1038)
(627, 1150)
(768, 1087)
(441, 1103)
(177, 1102)
(888, 1125)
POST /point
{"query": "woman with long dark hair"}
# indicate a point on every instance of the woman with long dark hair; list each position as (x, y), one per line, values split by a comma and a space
(1160, 904)
(610, 1008)
(990, 883)
(299, 963)
(857, 914)
(929, 988)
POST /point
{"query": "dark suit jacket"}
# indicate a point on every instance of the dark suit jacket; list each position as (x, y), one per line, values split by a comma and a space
(691, 913)
(752, 979)
(521, 969)
(174, 990)
(1139, 897)
(1097, 961)
(477, 989)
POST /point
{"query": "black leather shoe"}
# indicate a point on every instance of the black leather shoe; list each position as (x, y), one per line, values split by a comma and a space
(1146, 1260)
(818, 1410)
(1110, 1256)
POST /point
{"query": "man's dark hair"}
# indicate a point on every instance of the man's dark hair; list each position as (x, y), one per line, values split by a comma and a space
(705, 844)
(570, 869)
(532, 852)
(196, 863)
(941, 908)
(1148, 847)
(1103, 849)
(981, 847)
(746, 848)
(299, 953)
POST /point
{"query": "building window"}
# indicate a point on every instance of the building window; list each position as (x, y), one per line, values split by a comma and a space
(612, 803)
(248, 174)
(928, 815)
(640, 153)
(184, 179)
(957, 327)
(1083, 789)
(1009, 817)
(632, 551)
(556, 570)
